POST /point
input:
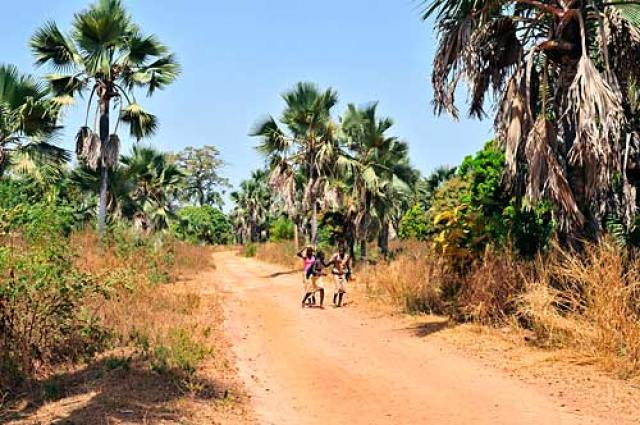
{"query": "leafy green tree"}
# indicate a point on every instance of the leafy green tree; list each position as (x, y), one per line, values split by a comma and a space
(415, 224)
(156, 182)
(28, 122)
(202, 224)
(281, 229)
(143, 187)
(567, 117)
(107, 57)
(427, 187)
(203, 183)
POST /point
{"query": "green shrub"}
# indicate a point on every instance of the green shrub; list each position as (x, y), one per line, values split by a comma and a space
(44, 319)
(415, 224)
(281, 230)
(249, 250)
(204, 224)
(179, 352)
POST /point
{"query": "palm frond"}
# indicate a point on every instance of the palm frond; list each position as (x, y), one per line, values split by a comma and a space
(50, 46)
(141, 124)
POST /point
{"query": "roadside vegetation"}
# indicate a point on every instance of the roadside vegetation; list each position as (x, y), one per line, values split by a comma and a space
(94, 254)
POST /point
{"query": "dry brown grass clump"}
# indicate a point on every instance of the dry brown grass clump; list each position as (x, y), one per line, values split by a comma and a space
(413, 283)
(283, 253)
(588, 301)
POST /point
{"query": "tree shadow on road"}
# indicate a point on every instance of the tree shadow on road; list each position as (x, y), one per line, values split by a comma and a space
(278, 274)
(106, 392)
(429, 327)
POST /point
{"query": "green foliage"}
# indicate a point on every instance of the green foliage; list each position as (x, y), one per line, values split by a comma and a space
(473, 210)
(178, 351)
(44, 315)
(281, 229)
(415, 224)
(204, 224)
(204, 185)
(249, 250)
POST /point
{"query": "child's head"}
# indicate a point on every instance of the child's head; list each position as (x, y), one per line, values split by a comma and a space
(320, 255)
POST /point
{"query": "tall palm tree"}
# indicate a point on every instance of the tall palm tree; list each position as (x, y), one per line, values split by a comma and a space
(28, 122)
(565, 73)
(381, 173)
(107, 56)
(308, 146)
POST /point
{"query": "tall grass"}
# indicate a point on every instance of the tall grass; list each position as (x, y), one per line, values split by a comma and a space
(588, 301)
(283, 253)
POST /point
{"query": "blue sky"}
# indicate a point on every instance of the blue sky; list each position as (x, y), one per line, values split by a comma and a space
(238, 56)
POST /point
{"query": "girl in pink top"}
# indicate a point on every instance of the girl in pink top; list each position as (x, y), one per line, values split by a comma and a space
(309, 260)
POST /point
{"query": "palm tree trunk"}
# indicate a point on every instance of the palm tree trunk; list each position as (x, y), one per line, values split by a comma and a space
(104, 171)
(383, 240)
(363, 249)
(295, 234)
(314, 222)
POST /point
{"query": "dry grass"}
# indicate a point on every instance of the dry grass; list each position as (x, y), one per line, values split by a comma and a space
(170, 362)
(590, 302)
(282, 253)
(587, 302)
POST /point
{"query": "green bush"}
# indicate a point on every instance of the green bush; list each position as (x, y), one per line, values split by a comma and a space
(178, 352)
(249, 250)
(281, 229)
(44, 318)
(474, 210)
(415, 224)
(204, 224)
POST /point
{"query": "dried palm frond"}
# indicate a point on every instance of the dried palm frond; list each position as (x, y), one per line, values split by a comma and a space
(111, 152)
(546, 177)
(83, 140)
(92, 152)
(491, 50)
(333, 197)
(283, 182)
(446, 64)
(512, 122)
(595, 107)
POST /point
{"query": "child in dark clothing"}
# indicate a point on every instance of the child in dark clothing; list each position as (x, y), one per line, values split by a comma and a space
(314, 276)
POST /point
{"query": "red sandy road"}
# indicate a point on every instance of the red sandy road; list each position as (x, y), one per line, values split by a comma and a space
(333, 366)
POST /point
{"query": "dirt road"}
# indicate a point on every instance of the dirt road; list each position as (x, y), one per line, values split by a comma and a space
(337, 366)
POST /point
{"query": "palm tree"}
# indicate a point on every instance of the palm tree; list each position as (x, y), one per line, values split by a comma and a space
(566, 74)
(28, 123)
(156, 182)
(308, 147)
(143, 187)
(107, 56)
(381, 174)
(252, 207)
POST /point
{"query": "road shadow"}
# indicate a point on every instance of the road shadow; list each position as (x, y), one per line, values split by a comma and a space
(278, 274)
(107, 391)
(429, 327)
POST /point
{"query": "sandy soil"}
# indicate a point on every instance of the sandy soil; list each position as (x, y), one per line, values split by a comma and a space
(340, 366)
